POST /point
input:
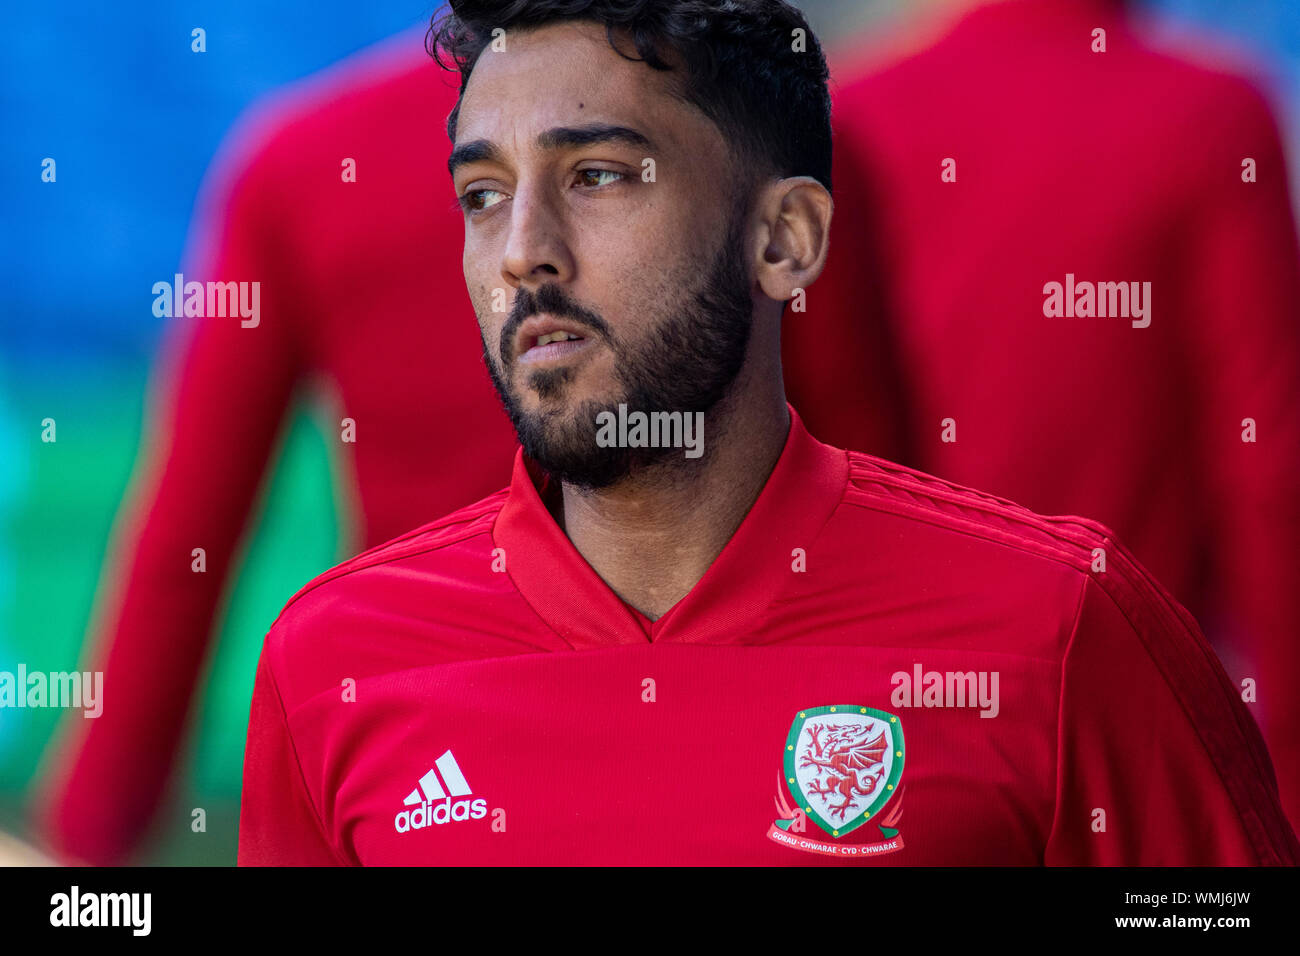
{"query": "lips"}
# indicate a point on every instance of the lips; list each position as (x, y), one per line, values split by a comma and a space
(544, 338)
(560, 336)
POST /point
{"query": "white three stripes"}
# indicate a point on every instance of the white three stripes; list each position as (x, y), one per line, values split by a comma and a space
(432, 787)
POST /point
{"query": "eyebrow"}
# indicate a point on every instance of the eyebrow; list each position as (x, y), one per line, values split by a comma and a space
(557, 137)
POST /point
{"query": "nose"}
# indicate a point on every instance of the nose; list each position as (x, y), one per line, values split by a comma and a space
(536, 249)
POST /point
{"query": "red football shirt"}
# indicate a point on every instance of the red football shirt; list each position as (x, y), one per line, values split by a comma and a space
(878, 666)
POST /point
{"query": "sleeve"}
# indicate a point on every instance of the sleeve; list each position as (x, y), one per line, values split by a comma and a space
(216, 405)
(1243, 315)
(278, 822)
(1158, 761)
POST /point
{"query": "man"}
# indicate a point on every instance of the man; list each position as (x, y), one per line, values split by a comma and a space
(688, 632)
(323, 195)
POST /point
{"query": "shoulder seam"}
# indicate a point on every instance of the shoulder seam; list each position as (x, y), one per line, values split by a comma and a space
(972, 529)
(393, 551)
(1060, 701)
(1056, 526)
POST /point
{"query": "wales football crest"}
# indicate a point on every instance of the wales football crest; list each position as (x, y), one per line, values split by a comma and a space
(842, 767)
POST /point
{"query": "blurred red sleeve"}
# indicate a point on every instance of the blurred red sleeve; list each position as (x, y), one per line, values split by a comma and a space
(1243, 309)
(217, 400)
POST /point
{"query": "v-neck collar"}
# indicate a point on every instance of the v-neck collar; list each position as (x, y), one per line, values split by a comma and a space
(726, 603)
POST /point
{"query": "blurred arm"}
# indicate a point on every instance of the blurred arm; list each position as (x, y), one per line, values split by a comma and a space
(1244, 323)
(216, 405)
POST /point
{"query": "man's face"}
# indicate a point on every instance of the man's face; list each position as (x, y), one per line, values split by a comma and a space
(592, 286)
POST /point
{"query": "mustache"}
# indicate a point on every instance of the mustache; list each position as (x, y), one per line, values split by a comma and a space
(552, 300)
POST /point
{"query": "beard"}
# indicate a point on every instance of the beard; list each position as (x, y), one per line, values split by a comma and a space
(687, 363)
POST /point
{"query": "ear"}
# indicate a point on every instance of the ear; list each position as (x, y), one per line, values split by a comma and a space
(797, 215)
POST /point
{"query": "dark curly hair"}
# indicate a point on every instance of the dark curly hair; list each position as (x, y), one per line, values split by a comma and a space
(770, 102)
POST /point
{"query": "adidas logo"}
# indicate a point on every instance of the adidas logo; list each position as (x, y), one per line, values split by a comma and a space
(432, 799)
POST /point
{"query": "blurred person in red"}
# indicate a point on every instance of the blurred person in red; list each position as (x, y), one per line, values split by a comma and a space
(330, 196)
(347, 268)
(1083, 249)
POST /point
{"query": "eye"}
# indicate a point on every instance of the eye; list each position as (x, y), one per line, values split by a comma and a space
(476, 200)
(586, 176)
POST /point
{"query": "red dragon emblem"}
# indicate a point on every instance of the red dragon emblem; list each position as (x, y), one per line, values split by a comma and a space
(843, 755)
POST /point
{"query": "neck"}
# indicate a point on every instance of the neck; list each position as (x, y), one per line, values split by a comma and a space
(652, 536)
